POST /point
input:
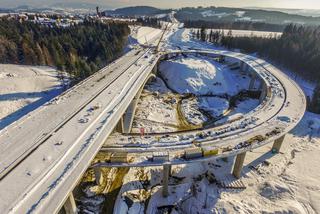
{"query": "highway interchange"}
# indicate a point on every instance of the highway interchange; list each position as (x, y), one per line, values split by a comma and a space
(278, 112)
(44, 155)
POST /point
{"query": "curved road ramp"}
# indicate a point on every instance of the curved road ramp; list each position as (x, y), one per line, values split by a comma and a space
(44, 155)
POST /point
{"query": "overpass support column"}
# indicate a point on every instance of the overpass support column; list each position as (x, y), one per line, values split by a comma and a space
(155, 69)
(277, 144)
(70, 205)
(237, 168)
(241, 66)
(263, 92)
(252, 81)
(245, 67)
(98, 175)
(222, 58)
(120, 126)
(165, 180)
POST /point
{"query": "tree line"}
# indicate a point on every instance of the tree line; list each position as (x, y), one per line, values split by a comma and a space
(79, 50)
(239, 25)
(149, 22)
(297, 49)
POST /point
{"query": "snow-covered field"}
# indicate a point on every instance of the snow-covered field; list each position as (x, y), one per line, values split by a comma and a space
(24, 88)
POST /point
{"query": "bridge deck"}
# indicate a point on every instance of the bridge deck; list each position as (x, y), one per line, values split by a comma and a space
(283, 108)
(42, 159)
(45, 154)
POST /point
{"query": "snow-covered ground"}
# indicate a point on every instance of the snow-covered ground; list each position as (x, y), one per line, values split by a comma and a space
(24, 88)
(165, 106)
(201, 76)
(191, 111)
(287, 182)
(182, 39)
(275, 183)
(156, 113)
(144, 35)
(215, 105)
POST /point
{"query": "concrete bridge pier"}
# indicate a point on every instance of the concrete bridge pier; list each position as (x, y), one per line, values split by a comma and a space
(120, 126)
(130, 112)
(98, 175)
(277, 144)
(155, 69)
(252, 81)
(241, 66)
(244, 67)
(165, 180)
(263, 92)
(222, 58)
(125, 123)
(70, 206)
(238, 164)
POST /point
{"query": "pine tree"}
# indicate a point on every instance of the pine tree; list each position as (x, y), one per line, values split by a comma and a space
(315, 102)
(203, 34)
(71, 49)
(198, 34)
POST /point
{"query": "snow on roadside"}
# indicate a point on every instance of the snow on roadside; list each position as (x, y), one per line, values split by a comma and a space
(145, 35)
(24, 88)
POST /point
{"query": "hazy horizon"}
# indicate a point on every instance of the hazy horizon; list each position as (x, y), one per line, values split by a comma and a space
(283, 4)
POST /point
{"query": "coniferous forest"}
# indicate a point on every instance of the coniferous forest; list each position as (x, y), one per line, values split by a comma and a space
(79, 50)
(258, 26)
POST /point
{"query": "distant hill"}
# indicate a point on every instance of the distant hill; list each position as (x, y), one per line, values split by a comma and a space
(302, 12)
(136, 11)
(224, 14)
(74, 5)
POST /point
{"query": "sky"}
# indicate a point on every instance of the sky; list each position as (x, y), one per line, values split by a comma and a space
(297, 4)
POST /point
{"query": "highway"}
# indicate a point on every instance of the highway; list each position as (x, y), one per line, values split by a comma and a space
(44, 155)
(279, 112)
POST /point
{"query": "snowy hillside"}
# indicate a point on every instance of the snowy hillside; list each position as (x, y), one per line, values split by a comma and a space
(24, 88)
(144, 35)
(201, 76)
